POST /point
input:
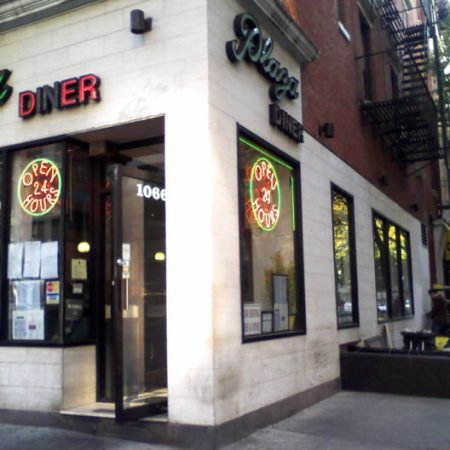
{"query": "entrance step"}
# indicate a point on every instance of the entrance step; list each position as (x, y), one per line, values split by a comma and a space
(105, 410)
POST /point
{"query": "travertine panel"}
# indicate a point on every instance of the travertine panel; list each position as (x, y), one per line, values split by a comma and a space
(79, 376)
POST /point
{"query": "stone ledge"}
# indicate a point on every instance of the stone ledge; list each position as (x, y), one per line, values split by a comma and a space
(286, 31)
(21, 12)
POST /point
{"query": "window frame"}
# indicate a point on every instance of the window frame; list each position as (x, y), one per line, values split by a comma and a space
(5, 197)
(387, 269)
(298, 240)
(353, 257)
(366, 44)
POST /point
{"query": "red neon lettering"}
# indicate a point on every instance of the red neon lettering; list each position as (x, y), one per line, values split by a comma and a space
(35, 168)
(43, 170)
(34, 205)
(27, 179)
(69, 92)
(54, 173)
(42, 204)
(88, 88)
(28, 200)
(264, 195)
(27, 104)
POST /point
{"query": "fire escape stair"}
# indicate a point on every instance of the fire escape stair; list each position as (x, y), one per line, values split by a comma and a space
(408, 124)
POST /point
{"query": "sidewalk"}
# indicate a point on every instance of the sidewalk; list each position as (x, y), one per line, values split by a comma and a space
(345, 421)
(359, 421)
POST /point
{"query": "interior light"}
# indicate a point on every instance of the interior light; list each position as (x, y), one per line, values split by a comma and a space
(160, 256)
(84, 247)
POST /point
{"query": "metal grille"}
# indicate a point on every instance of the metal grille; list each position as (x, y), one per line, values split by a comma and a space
(424, 234)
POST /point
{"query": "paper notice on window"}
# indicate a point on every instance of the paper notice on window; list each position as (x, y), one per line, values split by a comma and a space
(281, 317)
(49, 260)
(252, 319)
(32, 260)
(28, 325)
(15, 260)
(27, 294)
(79, 269)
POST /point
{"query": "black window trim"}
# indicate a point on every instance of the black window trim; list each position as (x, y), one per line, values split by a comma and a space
(386, 223)
(353, 259)
(5, 153)
(298, 240)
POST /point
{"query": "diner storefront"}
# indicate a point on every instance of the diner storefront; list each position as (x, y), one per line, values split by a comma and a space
(168, 243)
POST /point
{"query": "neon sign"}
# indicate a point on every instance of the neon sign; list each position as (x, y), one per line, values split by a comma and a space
(63, 94)
(265, 194)
(5, 89)
(39, 187)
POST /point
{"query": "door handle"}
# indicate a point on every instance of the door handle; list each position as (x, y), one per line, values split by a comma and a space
(121, 263)
(127, 298)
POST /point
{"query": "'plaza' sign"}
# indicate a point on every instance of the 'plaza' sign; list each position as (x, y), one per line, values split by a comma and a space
(251, 46)
(63, 94)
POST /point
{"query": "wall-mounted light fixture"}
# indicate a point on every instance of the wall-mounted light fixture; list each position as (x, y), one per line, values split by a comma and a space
(327, 130)
(160, 256)
(138, 23)
(84, 247)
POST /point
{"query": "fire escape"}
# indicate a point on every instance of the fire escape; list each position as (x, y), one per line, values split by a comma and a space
(407, 123)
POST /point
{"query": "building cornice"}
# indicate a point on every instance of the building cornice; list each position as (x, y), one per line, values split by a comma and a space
(14, 13)
(367, 9)
(283, 28)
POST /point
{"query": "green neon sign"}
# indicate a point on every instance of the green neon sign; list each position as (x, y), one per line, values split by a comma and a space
(265, 194)
(39, 187)
(5, 89)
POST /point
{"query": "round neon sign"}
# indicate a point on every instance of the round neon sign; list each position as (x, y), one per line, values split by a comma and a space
(39, 187)
(265, 194)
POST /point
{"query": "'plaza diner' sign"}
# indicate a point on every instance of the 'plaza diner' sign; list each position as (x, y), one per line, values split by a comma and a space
(251, 46)
(63, 94)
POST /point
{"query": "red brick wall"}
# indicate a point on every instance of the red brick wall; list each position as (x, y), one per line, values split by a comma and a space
(332, 87)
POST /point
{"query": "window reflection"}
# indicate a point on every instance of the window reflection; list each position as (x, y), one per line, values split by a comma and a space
(344, 265)
(392, 271)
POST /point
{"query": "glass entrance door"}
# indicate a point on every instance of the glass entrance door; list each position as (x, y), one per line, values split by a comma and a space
(139, 293)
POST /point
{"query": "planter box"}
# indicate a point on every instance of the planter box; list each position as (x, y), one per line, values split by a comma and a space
(396, 372)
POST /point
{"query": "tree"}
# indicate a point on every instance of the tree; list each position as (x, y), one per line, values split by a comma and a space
(443, 18)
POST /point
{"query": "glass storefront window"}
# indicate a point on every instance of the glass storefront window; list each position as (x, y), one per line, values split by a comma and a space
(272, 300)
(33, 269)
(406, 271)
(78, 247)
(392, 270)
(396, 307)
(380, 272)
(46, 272)
(344, 258)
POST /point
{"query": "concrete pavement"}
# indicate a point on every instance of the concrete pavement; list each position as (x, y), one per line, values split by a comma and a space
(345, 421)
(359, 421)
